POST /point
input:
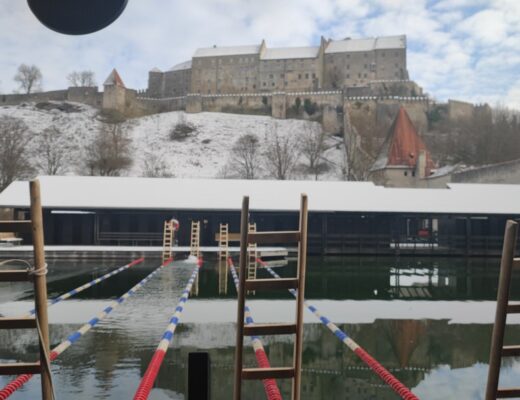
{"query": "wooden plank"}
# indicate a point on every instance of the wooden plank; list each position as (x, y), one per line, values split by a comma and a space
(11, 275)
(268, 373)
(15, 226)
(271, 284)
(513, 308)
(273, 237)
(511, 351)
(20, 368)
(269, 329)
(18, 323)
(231, 237)
(508, 393)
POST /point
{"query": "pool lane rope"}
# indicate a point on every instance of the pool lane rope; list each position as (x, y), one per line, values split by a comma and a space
(149, 377)
(87, 285)
(21, 380)
(270, 386)
(381, 371)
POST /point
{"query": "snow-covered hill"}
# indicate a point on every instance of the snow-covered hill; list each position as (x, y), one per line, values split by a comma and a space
(205, 153)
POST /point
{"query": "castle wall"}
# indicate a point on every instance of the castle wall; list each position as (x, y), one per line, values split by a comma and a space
(290, 74)
(15, 99)
(177, 83)
(459, 110)
(86, 95)
(506, 172)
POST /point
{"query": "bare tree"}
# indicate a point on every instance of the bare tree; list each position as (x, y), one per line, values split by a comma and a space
(312, 147)
(81, 79)
(246, 156)
(280, 154)
(14, 161)
(29, 77)
(52, 150)
(109, 154)
(154, 166)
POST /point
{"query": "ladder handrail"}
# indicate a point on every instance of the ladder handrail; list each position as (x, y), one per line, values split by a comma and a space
(504, 284)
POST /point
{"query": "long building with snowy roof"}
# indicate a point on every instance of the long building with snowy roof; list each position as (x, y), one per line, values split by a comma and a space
(334, 64)
(345, 217)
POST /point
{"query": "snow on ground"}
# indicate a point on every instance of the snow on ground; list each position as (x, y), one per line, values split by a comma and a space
(203, 154)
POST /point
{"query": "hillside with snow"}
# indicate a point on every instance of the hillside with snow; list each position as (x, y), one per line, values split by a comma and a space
(204, 153)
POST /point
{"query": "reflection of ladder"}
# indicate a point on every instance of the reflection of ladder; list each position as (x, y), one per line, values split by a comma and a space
(298, 282)
(223, 253)
(195, 251)
(504, 307)
(168, 238)
(195, 239)
(251, 258)
(39, 322)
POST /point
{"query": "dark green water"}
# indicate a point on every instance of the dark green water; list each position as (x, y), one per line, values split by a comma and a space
(427, 320)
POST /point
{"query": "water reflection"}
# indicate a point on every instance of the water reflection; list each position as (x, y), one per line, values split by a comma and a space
(439, 358)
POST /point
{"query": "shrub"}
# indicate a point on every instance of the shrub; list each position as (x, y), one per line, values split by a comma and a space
(182, 129)
(310, 107)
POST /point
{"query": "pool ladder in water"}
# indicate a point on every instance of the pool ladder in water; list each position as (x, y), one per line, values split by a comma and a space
(247, 285)
(38, 276)
(504, 307)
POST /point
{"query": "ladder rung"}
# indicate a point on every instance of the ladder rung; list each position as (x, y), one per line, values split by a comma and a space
(18, 323)
(12, 275)
(508, 393)
(273, 237)
(268, 373)
(16, 226)
(267, 284)
(20, 368)
(269, 329)
(513, 308)
(511, 351)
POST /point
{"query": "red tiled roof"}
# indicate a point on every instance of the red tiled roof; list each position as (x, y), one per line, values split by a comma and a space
(406, 144)
(114, 79)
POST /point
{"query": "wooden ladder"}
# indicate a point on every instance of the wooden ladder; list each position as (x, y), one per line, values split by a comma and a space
(298, 283)
(195, 239)
(223, 254)
(251, 258)
(38, 276)
(504, 307)
(168, 239)
(195, 251)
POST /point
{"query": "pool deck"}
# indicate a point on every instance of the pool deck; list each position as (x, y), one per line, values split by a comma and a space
(117, 252)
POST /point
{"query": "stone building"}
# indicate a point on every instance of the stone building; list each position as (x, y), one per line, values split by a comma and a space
(404, 160)
(257, 68)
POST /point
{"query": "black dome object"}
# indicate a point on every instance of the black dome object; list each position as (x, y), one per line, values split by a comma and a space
(77, 17)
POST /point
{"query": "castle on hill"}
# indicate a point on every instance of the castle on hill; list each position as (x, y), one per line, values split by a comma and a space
(333, 65)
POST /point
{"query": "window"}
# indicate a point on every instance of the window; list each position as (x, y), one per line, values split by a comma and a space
(365, 66)
(366, 55)
(264, 84)
(348, 55)
(348, 66)
(413, 173)
(254, 86)
(313, 76)
(282, 76)
(348, 76)
(396, 54)
(405, 173)
(299, 76)
(271, 76)
(272, 84)
(306, 76)
(364, 75)
(359, 75)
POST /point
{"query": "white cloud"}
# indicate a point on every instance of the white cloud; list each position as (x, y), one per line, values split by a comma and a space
(464, 49)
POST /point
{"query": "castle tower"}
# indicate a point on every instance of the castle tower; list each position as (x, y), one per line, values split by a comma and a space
(114, 95)
(403, 159)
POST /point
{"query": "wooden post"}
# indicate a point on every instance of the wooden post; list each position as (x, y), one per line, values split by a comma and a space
(40, 285)
(504, 283)
(244, 227)
(302, 262)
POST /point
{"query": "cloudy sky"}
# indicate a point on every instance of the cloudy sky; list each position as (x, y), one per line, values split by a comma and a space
(461, 49)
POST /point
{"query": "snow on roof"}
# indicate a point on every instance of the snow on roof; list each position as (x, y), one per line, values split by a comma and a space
(155, 69)
(227, 51)
(366, 44)
(290, 53)
(182, 66)
(72, 192)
